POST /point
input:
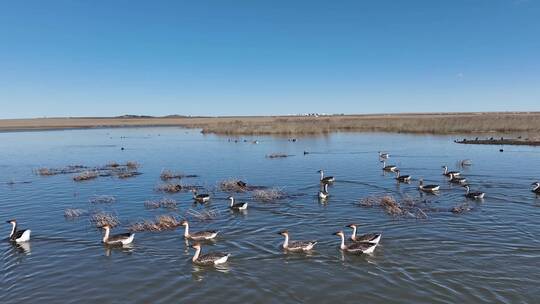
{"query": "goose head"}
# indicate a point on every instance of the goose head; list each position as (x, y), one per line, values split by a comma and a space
(184, 223)
(196, 246)
(284, 232)
(339, 233)
(535, 185)
(12, 221)
(352, 225)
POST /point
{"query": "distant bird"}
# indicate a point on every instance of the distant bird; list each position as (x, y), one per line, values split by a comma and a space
(306, 152)
(389, 168)
(355, 247)
(428, 188)
(117, 239)
(473, 195)
(327, 179)
(536, 187)
(448, 173)
(368, 237)
(296, 245)
(402, 178)
(457, 180)
(384, 155)
(200, 235)
(323, 193)
(237, 206)
(212, 258)
(200, 198)
(18, 236)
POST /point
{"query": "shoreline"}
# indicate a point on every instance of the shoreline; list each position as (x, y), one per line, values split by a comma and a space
(420, 123)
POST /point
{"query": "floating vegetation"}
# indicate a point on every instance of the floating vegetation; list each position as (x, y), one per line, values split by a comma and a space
(85, 175)
(268, 195)
(73, 213)
(132, 165)
(55, 171)
(233, 185)
(407, 207)
(127, 174)
(462, 208)
(168, 174)
(465, 162)
(102, 218)
(166, 203)
(203, 215)
(162, 222)
(174, 188)
(102, 199)
(277, 155)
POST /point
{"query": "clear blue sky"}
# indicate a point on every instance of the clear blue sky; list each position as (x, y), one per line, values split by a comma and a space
(103, 58)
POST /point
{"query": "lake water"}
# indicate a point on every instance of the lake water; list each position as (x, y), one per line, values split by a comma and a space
(490, 254)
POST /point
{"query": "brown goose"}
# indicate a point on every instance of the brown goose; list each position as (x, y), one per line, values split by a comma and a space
(211, 258)
(117, 239)
(368, 237)
(296, 245)
(200, 235)
(355, 247)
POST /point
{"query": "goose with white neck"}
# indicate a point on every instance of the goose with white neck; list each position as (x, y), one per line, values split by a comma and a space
(117, 239)
(368, 237)
(296, 246)
(211, 258)
(536, 187)
(199, 235)
(326, 179)
(323, 193)
(457, 179)
(355, 247)
(200, 198)
(402, 178)
(18, 236)
(388, 168)
(428, 188)
(449, 173)
(237, 206)
(384, 155)
(473, 194)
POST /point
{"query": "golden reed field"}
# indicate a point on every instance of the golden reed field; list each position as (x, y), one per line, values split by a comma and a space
(431, 123)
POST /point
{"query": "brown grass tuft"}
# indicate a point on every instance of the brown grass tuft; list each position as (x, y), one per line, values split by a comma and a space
(73, 213)
(277, 155)
(268, 195)
(102, 218)
(233, 185)
(166, 203)
(102, 199)
(86, 175)
(162, 222)
(204, 215)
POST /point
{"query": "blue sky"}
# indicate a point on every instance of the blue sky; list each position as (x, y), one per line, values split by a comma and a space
(105, 58)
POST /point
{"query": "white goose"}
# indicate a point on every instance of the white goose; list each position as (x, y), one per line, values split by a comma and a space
(212, 258)
(18, 236)
(117, 239)
(200, 235)
(368, 237)
(536, 187)
(296, 245)
(355, 247)
(237, 206)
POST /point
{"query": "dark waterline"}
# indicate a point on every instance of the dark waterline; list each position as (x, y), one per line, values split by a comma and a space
(488, 255)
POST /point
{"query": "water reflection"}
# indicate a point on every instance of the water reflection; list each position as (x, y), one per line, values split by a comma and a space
(125, 249)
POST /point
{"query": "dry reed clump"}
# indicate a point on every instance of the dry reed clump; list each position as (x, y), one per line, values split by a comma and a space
(162, 222)
(102, 199)
(85, 175)
(463, 208)
(168, 174)
(268, 195)
(169, 188)
(166, 203)
(233, 185)
(203, 215)
(277, 155)
(102, 218)
(408, 207)
(55, 171)
(132, 165)
(73, 213)
(127, 174)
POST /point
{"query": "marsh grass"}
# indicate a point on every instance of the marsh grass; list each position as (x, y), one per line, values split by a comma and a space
(166, 203)
(102, 218)
(85, 175)
(268, 195)
(203, 215)
(233, 185)
(74, 213)
(102, 199)
(277, 155)
(407, 207)
(160, 223)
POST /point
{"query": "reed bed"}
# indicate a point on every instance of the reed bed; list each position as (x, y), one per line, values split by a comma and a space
(166, 203)
(203, 215)
(74, 213)
(174, 188)
(407, 207)
(268, 195)
(233, 185)
(168, 174)
(86, 175)
(55, 171)
(160, 223)
(102, 199)
(461, 208)
(102, 218)
(277, 155)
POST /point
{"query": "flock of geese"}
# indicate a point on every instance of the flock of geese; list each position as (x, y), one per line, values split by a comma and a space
(356, 244)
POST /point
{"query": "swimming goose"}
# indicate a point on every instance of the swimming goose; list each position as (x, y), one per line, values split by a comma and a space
(199, 235)
(473, 195)
(326, 180)
(389, 168)
(368, 237)
(117, 239)
(355, 247)
(384, 155)
(536, 187)
(237, 206)
(402, 178)
(457, 180)
(448, 173)
(296, 245)
(323, 193)
(428, 188)
(212, 258)
(200, 198)
(18, 236)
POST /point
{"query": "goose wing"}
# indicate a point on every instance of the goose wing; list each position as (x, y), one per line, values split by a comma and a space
(203, 234)
(367, 237)
(360, 247)
(211, 257)
(118, 237)
(17, 234)
(297, 245)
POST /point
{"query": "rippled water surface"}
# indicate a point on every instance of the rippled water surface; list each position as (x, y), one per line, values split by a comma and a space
(490, 254)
